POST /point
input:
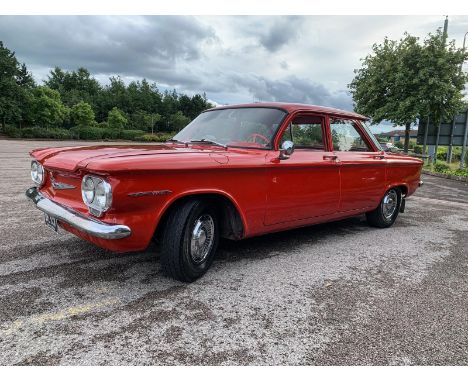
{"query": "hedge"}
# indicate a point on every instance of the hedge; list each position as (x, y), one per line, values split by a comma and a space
(86, 133)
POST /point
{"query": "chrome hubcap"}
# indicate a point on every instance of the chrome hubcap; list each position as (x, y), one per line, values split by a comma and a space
(202, 238)
(389, 204)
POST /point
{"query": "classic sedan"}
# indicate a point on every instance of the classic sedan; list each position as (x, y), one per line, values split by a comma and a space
(234, 172)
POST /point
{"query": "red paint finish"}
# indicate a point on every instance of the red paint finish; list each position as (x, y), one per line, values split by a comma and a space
(310, 187)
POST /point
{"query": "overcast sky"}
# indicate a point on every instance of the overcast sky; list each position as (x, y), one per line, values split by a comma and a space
(306, 59)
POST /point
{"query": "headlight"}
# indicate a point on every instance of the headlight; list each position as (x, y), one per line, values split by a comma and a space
(87, 190)
(37, 172)
(97, 194)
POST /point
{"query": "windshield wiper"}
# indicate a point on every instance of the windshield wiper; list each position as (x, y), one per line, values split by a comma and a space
(172, 140)
(208, 142)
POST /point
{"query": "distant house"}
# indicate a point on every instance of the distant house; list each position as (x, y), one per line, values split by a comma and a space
(397, 135)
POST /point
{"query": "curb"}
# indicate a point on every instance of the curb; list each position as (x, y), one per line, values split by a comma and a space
(446, 176)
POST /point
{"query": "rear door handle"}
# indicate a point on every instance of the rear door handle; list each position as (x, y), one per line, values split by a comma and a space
(379, 156)
(330, 157)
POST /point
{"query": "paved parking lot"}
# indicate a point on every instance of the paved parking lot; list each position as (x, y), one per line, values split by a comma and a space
(341, 293)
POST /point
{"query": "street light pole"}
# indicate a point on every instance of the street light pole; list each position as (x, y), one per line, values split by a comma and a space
(464, 43)
(465, 136)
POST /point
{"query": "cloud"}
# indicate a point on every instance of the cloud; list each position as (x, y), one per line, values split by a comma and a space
(233, 59)
(292, 89)
(129, 46)
(283, 30)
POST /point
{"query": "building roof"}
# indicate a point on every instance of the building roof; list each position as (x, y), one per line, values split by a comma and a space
(291, 107)
(400, 133)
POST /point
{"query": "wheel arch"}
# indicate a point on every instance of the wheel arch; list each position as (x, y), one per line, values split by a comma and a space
(402, 186)
(233, 223)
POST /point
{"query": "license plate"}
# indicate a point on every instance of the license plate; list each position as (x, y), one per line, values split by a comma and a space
(51, 222)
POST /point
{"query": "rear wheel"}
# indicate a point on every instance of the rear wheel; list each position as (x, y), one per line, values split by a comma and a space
(387, 211)
(189, 240)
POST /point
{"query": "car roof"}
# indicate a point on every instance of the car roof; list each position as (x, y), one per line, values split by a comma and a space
(292, 107)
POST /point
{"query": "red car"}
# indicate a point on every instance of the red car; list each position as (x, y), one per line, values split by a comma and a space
(234, 172)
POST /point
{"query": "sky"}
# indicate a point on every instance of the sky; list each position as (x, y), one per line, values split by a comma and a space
(233, 59)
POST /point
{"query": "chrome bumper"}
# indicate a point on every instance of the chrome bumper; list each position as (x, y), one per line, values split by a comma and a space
(75, 219)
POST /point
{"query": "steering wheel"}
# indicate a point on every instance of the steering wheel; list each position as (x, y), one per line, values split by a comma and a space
(253, 138)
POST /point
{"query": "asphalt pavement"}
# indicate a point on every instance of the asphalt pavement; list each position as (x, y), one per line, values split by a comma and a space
(334, 294)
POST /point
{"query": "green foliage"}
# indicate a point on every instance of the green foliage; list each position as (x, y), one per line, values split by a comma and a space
(116, 119)
(97, 133)
(82, 114)
(15, 89)
(417, 149)
(404, 80)
(143, 120)
(42, 133)
(140, 104)
(12, 132)
(47, 107)
(442, 153)
(160, 137)
(85, 133)
(178, 121)
(74, 87)
(88, 133)
(441, 167)
(399, 144)
(461, 172)
(131, 135)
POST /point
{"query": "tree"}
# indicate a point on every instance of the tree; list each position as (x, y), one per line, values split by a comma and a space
(82, 114)
(47, 107)
(442, 80)
(116, 119)
(144, 121)
(178, 121)
(402, 81)
(16, 84)
(74, 86)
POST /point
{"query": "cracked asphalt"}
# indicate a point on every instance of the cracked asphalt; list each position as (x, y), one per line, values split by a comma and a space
(334, 294)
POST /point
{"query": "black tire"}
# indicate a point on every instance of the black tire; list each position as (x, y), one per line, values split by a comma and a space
(378, 218)
(177, 256)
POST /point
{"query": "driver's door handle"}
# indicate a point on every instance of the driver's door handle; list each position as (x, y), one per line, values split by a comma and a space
(330, 157)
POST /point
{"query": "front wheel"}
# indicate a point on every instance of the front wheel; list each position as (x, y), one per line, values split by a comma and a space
(387, 211)
(189, 240)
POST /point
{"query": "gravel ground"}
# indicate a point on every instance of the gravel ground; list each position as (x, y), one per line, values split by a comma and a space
(333, 294)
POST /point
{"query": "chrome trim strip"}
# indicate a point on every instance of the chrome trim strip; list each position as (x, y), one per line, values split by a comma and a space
(60, 186)
(75, 219)
(153, 193)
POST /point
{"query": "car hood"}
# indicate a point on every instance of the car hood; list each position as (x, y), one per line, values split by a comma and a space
(109, 158)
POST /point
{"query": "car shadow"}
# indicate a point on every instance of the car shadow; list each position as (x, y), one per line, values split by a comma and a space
(269, 245)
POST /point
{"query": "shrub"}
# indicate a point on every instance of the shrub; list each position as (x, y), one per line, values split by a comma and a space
(39, 132)
(441, 167)
(159, 137)
(442, 153)
(417, 149)
(92, 133)
(460, 172)
(116, 119)
(82, 114)
(131, 134)
(110, 134)
(12, 132)
(399, 144)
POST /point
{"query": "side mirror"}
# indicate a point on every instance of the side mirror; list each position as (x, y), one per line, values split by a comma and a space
(287, 148)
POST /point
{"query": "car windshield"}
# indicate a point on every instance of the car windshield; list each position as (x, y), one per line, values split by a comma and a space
(245, 127)
(366, 126)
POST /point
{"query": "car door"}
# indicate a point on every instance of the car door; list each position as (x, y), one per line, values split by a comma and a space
(307, 184)
(362, 166)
